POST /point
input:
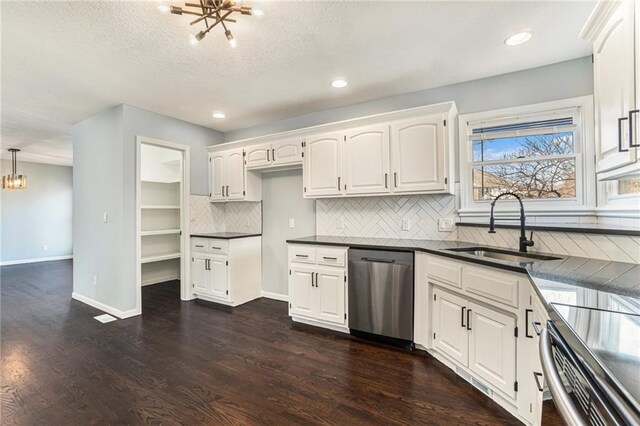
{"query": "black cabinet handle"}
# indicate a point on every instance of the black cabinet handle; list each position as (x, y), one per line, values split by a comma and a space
(227, 190)
(631, 144)
(268, 154)
(395, 179)
(329, 258)
(198, 245)
(273, 154)
(223, 190)
(537, 327)
(620, 120)
(216, 248)
(312, 274)
(526, 323)
(316, 280)
(386, 179)
(462, 317)
(338, 183)
(302, 255)
(468, 319)
(535, 376)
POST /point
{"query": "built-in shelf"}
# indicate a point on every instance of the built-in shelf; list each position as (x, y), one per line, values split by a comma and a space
(159, 258)
(159, 207)
(160, 232)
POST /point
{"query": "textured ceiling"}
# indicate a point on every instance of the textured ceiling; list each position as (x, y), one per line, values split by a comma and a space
(65, 61)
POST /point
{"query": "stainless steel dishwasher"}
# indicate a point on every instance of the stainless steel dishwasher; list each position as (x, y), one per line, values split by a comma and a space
(381, 295)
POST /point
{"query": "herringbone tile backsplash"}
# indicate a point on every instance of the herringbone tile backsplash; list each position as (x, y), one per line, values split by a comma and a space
(621, 248)
(382, 216)
(209, 217)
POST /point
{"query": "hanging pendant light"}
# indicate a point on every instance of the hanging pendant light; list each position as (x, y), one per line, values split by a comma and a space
(14, 180)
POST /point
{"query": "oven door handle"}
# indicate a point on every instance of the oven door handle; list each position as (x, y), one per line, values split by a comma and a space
(569, 412)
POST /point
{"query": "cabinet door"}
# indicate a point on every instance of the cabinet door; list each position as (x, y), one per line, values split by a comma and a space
(614, 87)
(449, 326)
(219, 277)
(492, 347)
(302, 296)
(323, 165)
(200, 274)
(330, 289)
(366, 160)
(235, 175)
(258, 156)
(217, 176)
(418, 154)
(286, 152)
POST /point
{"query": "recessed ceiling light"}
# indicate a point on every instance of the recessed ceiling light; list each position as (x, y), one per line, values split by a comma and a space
(218, 115)
(163, 8)
(339, 84)
(518, 38)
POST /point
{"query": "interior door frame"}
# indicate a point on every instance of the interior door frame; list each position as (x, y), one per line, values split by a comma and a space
(185, 188)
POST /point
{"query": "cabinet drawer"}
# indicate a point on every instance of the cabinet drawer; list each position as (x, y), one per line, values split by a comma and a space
(302, 254)
(218, 246)
(331, 256)
(492, 285)
(445, 271)
(200, 245)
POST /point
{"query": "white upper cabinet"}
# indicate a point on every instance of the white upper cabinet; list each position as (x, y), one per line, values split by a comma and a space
(615, 50)
(228, 179)
(217, 176)
(274, 155)
(258, 156)
(286, 152)
(418, 154)
(366, 160)
(235, 175)
(322, 168)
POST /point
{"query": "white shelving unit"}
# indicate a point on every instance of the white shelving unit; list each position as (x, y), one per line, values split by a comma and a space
(160, 236)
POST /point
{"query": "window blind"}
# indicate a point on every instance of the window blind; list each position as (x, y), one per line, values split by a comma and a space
(540, 124)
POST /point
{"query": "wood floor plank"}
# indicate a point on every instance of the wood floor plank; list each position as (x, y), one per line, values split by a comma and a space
(200, 363)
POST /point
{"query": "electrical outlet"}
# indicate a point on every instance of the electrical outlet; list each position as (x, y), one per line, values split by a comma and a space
(248, 224)
(105, 217)
(341, 223)
(445, 224)
(406, 224)
(95, 281)
(292, 223)
(45, 247)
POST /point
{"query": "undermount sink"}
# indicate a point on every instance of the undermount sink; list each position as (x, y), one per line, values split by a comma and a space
(506, 255)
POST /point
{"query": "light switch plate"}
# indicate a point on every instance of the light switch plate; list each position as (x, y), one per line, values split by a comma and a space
(406, 224)
(341, 223)
(445, 224)
(292, 223)
(105, 217)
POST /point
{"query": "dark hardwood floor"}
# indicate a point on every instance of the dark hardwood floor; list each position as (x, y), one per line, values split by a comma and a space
(199, 363)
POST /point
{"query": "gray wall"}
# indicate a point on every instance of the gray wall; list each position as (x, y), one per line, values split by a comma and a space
(557, 81)
(40, 214)
(104, 180)
(98, 188)
(282, 199)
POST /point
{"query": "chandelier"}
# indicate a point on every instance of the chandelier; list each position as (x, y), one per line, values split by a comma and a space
(14, 180)
(212, 13)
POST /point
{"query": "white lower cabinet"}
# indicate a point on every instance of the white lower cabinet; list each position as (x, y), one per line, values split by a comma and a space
(492, 347)
(226, 271)
(318, 293)
(476, 337)
(449, 331)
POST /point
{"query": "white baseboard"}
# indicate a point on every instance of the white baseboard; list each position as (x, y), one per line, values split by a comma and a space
(171, 277)
(106, 308)
(275, 296)
(38, 259)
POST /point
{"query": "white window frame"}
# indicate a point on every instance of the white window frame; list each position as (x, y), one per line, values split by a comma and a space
(584, 147)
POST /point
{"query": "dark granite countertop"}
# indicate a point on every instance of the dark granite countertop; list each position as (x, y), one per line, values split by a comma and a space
(567, 286)
(225, 235)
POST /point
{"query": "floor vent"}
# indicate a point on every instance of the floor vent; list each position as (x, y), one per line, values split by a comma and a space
(104, 318)
(465, 375)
